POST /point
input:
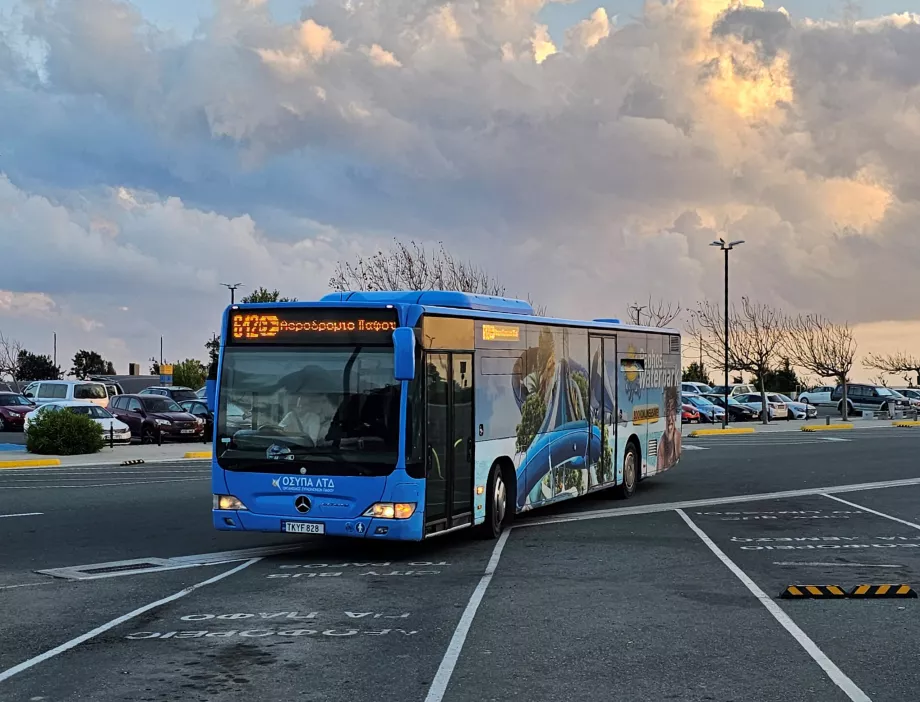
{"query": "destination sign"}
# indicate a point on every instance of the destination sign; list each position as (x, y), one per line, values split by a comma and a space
(317, 325)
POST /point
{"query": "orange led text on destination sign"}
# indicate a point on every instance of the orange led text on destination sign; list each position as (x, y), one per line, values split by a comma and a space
(493, 332)
(259, 326)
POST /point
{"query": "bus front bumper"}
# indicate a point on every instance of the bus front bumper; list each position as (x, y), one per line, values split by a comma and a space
(411, 529)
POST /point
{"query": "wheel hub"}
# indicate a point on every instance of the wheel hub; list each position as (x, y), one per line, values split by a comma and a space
(499, 502)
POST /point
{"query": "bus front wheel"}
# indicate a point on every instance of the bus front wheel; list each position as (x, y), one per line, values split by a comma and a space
(630, 472)
(499, 508)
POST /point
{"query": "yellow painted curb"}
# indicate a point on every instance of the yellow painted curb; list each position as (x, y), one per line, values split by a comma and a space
(826, 427)
(31, 463)
(720, 432)
(198, 454)
(906, 423)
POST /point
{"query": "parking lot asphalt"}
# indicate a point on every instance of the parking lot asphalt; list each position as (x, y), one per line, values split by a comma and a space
(674, 594)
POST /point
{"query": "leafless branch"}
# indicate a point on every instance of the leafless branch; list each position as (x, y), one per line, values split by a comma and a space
(879, 379)
(755, 336)
(895, 364)
(412, 267)
(10, 351)
(822, 347)
(656, 313)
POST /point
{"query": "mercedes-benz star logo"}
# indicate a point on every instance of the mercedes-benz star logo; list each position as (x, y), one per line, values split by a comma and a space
(302, 504)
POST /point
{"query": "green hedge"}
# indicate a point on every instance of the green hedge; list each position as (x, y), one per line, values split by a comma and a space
(63, 433)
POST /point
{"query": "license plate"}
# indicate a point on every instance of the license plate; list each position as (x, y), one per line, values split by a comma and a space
(304, 528)
(188, 431)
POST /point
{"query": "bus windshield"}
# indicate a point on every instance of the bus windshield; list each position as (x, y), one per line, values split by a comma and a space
(314, 410)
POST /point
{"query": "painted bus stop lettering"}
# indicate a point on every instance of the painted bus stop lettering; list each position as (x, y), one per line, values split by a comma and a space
(289, 615)
(264, 633)
(385, 564)
(781, 514)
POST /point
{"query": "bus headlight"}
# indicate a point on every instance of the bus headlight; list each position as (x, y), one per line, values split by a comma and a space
(391, 510)
(227, 502)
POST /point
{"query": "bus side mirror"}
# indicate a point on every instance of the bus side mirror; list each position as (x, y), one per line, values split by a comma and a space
(404, 353)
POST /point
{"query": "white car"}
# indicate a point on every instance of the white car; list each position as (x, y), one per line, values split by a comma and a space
(819, 396)
(122, 432)
(912, 394)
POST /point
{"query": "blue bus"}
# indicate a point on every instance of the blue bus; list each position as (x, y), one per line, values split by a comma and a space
(405, 415)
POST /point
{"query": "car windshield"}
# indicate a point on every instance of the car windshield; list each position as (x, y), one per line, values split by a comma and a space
(181, 395)
(335, 410)
(89, 391)
(885, 392)
(10, 400)
(161, 404)
(90, 411)
(700, 402)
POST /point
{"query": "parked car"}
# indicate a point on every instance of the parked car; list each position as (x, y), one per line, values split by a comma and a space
(177, 393)
(736, 411)
(153, 416)
(904, 392)
(734, 390)
(13, 410)
(797, 408)
(708, 411)
(235, 417)
(111, 387)
(818, 396)
(912, 394)
(120, 431)
(776, 408)
(694, 388)
(43, 391)
(870, 398)
(689, 414)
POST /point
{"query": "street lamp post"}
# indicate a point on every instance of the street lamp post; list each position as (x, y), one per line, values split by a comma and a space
(726, 247)
(232, 288)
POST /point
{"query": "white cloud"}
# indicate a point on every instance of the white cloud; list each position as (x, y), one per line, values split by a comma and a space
(589, 32)
(25, 304)
(146, 169)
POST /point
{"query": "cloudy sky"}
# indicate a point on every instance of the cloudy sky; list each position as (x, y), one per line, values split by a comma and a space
(585, 152)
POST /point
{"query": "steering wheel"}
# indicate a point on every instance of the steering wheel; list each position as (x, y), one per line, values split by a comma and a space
(272, 429)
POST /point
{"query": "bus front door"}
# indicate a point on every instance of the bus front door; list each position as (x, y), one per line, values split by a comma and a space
(449, 437)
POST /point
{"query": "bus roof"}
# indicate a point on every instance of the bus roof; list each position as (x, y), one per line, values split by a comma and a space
(459, 304)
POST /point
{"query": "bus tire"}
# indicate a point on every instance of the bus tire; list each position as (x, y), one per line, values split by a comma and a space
(631, 472)
(499, 504)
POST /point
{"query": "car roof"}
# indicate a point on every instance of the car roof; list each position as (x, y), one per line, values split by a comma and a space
(168, 387)
(71, 382)
(69, 403)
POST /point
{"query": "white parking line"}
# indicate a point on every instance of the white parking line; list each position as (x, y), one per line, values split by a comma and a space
(842, 565)
(734, 499)
(41, 658)
(12, 587)
(838, 677)
(24, 514)
(452, 655)
(912, 525)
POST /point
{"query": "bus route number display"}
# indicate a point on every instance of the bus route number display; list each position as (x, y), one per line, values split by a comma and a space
(305, 326)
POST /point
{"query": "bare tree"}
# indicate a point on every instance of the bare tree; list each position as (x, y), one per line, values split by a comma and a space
(655, 313)
(10, 353)
(755, 336)
(879, 379)
(822, 347)
(412, 267)
(895, 364)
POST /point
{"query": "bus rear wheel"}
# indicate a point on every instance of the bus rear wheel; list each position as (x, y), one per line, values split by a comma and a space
(499, 509)
(630, 473)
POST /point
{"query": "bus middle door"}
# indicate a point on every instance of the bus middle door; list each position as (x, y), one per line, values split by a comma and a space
(449, 437)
